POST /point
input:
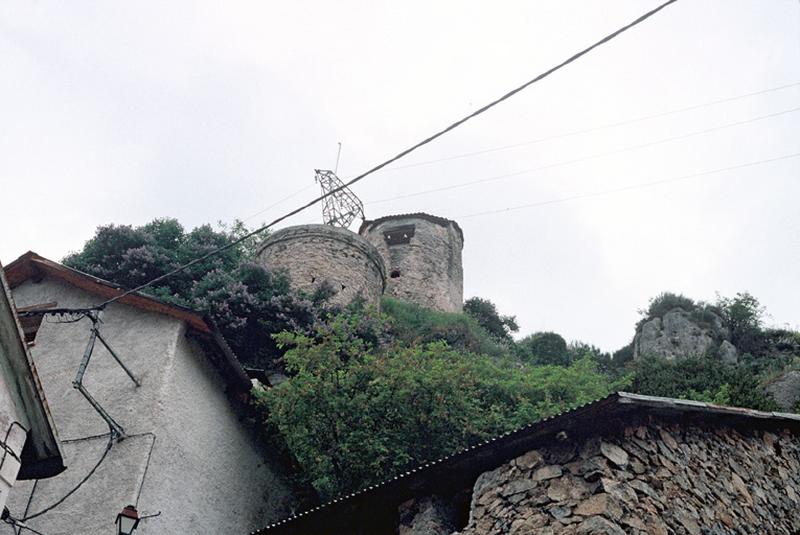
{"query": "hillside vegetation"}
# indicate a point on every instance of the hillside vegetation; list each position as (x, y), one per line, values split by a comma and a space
(373, 393)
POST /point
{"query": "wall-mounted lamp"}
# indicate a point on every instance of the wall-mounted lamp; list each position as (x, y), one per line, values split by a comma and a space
(127, 520)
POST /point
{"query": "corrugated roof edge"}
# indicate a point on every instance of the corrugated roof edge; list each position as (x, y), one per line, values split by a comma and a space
(621, 398)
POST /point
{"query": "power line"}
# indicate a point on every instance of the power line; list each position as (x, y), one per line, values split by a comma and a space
(585, 158)
(91, 472)
(594, 128)
(276, 203)
(400, 155)
(632, 186)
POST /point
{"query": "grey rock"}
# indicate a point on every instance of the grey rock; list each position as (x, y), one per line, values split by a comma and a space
(426, 516)
(676, 335)
(597, 525)
(614, 453)
(786, 389)
(547, 472)
(728, 353)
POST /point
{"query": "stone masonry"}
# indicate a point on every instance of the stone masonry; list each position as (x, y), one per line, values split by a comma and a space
(423, 258)
(316, 254)
(656, 478)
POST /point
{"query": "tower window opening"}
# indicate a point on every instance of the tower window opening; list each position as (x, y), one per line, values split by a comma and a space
(395, 273)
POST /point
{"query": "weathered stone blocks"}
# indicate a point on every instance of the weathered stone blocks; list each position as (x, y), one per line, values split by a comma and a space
(423, 258)
(653, 477)
(316, 254)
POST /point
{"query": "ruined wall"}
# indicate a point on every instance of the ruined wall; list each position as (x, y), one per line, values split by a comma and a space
(656, 479)
(423, 259)
(313, 254)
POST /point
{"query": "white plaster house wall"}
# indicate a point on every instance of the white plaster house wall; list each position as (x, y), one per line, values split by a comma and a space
(186, 455)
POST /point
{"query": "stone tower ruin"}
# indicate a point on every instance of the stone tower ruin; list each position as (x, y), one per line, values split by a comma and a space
(422, 254)
(314, 254)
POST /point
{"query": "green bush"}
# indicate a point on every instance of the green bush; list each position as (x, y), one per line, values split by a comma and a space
(245, 300)
(544, 348)
(485, 313)
(701, 379)
(666, 301)
(414, 324)
(354, 414)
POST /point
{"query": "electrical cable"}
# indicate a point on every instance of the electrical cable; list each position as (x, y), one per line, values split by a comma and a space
(631, 187)
(594, 128)
(146, 466)
(11, 521)
(273, 205)
(584, 158)
(393, 159)
(80, 483)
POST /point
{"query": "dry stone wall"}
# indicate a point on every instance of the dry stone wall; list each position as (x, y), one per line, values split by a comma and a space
(317, 254)
(655, 479)
(423, 259)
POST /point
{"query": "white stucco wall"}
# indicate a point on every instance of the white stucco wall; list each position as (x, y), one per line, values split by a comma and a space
(205, 475)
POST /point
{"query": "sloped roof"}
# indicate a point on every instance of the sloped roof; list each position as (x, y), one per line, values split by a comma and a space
(41, 455)
(466, 465)
(32, 266)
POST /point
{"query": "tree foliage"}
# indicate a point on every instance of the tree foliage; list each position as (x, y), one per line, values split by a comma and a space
(244, 299)
(414, 324)
(701, 379)
(355, 413)
(743, 316)
(485, 313)
(544, 348)
(666, 301)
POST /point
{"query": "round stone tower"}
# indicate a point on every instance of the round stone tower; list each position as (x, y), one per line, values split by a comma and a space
(314, 254)
(423, 257)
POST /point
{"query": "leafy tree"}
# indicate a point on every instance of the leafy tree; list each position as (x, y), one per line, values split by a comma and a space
(485, 313)
(743, 316)
(131, 256)
(244, 299)
(354, 413)
(544, 348)
(622, 356)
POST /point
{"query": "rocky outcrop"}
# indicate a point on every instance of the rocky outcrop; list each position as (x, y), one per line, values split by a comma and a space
(654, 478)
(786, 390)
(428, 516)
(677, 334)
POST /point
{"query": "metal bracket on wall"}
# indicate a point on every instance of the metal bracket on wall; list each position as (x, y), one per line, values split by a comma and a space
(6, 448)
(95, 335)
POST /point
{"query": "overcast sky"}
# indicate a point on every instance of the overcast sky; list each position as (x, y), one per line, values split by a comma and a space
(211, 111)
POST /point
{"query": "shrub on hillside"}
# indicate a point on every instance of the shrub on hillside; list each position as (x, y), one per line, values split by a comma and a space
(701, 379)
(414, 324)
(354, 414)
(485, 313)
(666, 301)
(544, 348)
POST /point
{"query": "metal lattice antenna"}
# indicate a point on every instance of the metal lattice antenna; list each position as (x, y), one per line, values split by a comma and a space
(341, 207)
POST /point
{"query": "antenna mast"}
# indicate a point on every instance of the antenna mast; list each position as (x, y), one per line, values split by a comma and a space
(339, 209)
